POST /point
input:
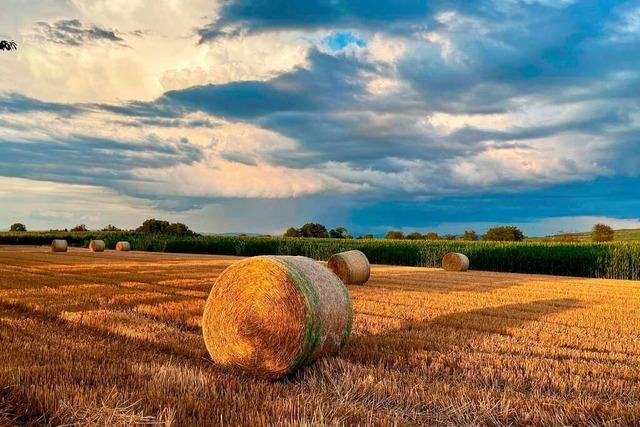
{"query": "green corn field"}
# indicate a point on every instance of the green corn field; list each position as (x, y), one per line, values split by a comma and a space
(619, 260)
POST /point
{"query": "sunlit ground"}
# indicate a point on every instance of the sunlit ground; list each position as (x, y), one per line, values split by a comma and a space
(114, 338)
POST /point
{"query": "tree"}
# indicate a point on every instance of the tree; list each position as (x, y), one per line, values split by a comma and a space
(366, 237)
(79, 228)
(339, 233)
(504, 234)
(17, 227)
(314, 230)
(111, 228)
(432, 235)
(179, 229)
(414, 236)
(470, 235)
(392, 234)
(449, 237)
(153, 226)
(292, 232)
(602, 233)
(156, 226)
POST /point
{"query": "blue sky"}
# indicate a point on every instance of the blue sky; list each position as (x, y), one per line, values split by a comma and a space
(255, 116)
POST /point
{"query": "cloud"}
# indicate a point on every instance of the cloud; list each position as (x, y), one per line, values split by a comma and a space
(330, 83)
(44, 205)
(246, 15)
(410, 102)
(72, 32)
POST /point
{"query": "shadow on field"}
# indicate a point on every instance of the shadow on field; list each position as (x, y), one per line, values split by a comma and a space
(441, 281)
(397, 348)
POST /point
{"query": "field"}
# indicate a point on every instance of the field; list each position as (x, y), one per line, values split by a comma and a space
(626, 235)
(620, 260)
(114, 339)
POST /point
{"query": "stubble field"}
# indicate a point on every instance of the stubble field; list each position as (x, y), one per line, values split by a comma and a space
(114, 339)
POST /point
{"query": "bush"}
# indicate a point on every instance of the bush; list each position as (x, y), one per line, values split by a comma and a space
(392, 234)
(470, 235)
(18, 228)
(179, 229)
(602, 233)
(155, 226)
(339, 233)
(292, 232)
(111, 228)
(504, 234)
(314, 230)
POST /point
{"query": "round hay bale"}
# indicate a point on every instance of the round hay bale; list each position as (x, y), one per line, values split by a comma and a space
(270, 315)
(454, 261)
(352, 267)
(123, 246)
(97, 245)
(59, 245)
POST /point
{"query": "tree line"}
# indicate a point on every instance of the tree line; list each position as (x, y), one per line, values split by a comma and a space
(599, 233)
(505, 233)
(508, 233)
(149, 226)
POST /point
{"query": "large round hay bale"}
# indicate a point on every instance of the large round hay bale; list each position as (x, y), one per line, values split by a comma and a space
(59, 245)
(352, 267)
(270, 315)
(97, 245)
(123, 246)
(454, 261)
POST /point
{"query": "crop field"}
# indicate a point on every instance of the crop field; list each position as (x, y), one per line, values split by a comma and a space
(115, 339)
(619, 260)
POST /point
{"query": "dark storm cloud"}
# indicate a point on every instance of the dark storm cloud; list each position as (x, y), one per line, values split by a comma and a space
(16, 103)
(489, 57)
(252, 15)
(72, 32)
(553, 52)
(330, 84)
(82, 159)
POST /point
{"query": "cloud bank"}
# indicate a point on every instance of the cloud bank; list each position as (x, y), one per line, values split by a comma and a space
(408, 104)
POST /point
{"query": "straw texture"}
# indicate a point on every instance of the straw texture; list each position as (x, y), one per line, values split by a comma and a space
(59, 246)
(454, 261)
(270, 315)
(97, 245)
(352, 267)
(123, 246)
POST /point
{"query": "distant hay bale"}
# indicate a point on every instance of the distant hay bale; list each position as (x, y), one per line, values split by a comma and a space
(97, 245)
(352, 267)
(59, 245)
(270, 315)
(123, 246)
(454, 261)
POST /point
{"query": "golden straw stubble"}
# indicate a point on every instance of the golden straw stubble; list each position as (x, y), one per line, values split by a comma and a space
(59, 245)
(97, 245)
(454, 261)
(270, 315)
(352, 267)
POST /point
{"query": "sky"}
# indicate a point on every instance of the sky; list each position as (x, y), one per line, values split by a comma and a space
(254, 116)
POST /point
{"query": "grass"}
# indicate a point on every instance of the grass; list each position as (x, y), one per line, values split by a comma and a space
(620, 260)
(115, 339)
(626, 235)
